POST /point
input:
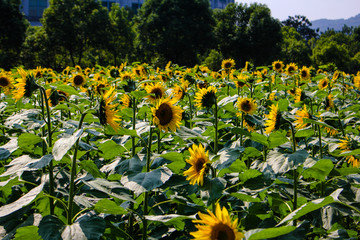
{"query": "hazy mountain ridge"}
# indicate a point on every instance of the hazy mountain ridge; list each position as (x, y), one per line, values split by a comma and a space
(337, 24)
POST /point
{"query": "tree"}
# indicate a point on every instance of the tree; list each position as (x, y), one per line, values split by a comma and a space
(121, 38)
(302, 26)
(294, 48)
(12, 32)
(174, 30)
(247, 33)
(76, 25)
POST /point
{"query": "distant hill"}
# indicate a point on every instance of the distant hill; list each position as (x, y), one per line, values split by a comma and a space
(337, 24)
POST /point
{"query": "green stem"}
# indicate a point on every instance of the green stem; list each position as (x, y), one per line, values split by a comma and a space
(73, 174)
(216, 129)
(133, 124)
(191, 112)
(242, 125)
(146, 199)
(49, 137)
(295, 170)
(319, 132)
(158, 141)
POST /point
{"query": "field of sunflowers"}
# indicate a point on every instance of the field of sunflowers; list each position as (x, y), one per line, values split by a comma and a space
(136, 152)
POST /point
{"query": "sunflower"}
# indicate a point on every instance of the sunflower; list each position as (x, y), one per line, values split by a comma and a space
(25, 85)
(6, 82)
(78, 80)
(329, 102)
(246, 105)
(178, 92)
(198, 161)
(125, 101)
(54, 97)
(156, 89)
(357, 81)
(278, 66)
(305, 74)
(336, 75)
(114, 72)
(228, 64)
(38, 72)
(273, 119)
(300, 115)
(202, 84)
(107, 113)
(323, 83)
(217, 226)
(166, 115)
(250, 126)
(299, 95)
(348, 145)
(139, 71)
(206, 97)
(100, 84)
(291, 69)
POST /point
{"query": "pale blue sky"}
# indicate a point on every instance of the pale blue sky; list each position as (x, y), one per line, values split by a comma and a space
(312, 9)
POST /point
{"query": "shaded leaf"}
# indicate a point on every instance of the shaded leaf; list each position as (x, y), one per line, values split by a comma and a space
(143, 182)
(8, 148)
(109, 207)
(50, 228)
(63, 145)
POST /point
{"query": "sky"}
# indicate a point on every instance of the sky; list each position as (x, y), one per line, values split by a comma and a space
(312, 9)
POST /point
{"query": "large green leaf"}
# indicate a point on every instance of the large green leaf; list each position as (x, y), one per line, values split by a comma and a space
(114, 189)
(130, 166)
(23, 201)
(109, 207)
(245, 198)
(26, 141)
(305, 133)
(177, 161)
(257, 137)
(257, 234)
(90, 167)
(110, 149)
(282, 162)
(24, 233)
(320, 170)
(50, 228)
(66, 88)
(8, 148)
(63, 145)
(143, 182)
(276, 139)
(311, 206)
(26, 163)
(227, 157)
(174, 220)
(185, 134)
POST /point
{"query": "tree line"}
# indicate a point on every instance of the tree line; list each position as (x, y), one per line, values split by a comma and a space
(186, 32)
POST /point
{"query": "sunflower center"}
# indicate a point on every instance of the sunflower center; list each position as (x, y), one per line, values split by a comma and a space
(157, 91)
(324, 83)
(78, 80)
(277, 66)
(291, 69)
(222, 232)
(4, 81)
(227, 65)
(164, 113)
(303, 74)
(246, 106)
(199, 164)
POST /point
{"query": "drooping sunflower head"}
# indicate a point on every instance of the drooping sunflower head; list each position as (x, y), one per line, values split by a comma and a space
(228, 63)
(300, 115)
(299, 95)
(324, 83)
(273, 121)
(202, 84)
(53, 97)
(305, 74)
(349, 145)
(246, 105)
(199, 159)
(114, 72)
(25, 85)
(218, 226)
(178, 92)
(249, 124)
(291, 69)
(100, 84)
(329, 102)
(125, 101)
(6, 82)
(107, 112)
(166, 115)
(206, 97)
(140, 71)
(357, 81)
(78, 80)
(157, 91)
(278, 66)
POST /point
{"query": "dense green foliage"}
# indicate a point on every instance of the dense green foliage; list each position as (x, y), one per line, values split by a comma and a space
(85, 33)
